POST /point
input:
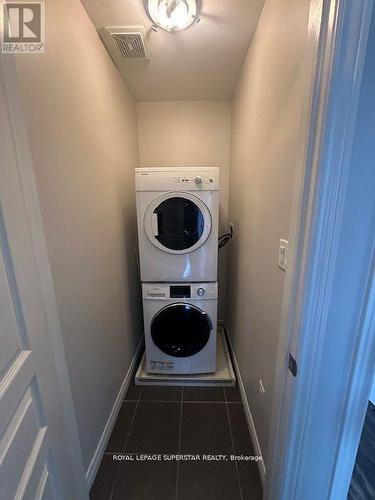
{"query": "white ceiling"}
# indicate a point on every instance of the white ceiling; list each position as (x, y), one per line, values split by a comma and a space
(201, 62)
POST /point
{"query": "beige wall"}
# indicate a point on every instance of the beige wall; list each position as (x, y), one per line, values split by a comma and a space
(268, 138)
(82, 127)
(189, 133)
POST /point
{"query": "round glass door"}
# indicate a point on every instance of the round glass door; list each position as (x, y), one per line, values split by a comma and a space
(181, 330)
(177, 223)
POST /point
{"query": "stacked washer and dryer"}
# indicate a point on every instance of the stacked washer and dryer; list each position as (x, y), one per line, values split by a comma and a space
(177, 213)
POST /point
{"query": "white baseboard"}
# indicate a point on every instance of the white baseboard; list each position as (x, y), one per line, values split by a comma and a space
(249, 418)
(104, 438)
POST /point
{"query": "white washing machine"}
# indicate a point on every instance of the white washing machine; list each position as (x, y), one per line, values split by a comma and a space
(180, 327)
(177, 213)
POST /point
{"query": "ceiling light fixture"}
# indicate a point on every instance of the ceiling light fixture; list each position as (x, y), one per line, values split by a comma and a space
(173, 15)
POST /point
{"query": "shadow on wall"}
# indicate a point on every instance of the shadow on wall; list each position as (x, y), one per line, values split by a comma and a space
(132, 275)
(232, 276)
(222, 263)
(131, 271)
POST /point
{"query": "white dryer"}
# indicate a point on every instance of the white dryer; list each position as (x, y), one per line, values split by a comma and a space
(180, 327)
(177, 213)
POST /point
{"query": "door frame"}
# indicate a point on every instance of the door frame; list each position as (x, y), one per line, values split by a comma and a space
(315, 225)
(23, 165)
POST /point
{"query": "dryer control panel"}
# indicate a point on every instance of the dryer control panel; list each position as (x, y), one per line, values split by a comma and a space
(177, 179)
(179, 291)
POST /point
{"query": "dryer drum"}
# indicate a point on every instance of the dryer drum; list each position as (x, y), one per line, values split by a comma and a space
(177, 223)
(181, 330)
(180, 223)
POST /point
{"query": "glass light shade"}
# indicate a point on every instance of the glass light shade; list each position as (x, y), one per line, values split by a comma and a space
(173, 15)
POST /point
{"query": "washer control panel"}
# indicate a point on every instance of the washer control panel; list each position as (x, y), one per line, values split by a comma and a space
(179, 291)
(196, 179)
(177, 179)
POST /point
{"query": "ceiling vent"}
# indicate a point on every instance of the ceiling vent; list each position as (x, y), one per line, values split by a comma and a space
(125, 42)
(130, 45)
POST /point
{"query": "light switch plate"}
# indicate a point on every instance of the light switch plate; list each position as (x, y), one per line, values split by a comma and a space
(283, 254)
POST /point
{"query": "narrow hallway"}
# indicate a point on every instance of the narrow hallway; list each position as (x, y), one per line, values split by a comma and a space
(179, 420)
(196, 179)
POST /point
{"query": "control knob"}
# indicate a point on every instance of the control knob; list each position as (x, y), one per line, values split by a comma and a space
(198, 180)
(201, 292)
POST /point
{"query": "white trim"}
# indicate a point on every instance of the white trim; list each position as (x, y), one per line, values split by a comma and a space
(248, 415)
(108, 428)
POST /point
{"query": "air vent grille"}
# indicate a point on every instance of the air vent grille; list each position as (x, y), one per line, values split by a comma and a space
(130, 45)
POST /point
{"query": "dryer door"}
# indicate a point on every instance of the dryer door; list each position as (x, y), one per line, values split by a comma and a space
(177, 222)
(181, 330)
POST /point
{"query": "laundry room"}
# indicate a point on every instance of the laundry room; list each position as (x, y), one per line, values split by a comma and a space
(155, 185)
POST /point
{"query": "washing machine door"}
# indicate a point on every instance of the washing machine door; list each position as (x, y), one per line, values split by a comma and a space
(181, 330)
(177, 222)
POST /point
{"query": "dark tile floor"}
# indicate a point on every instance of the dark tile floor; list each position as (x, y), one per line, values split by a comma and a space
(362, 485)
(176, 420)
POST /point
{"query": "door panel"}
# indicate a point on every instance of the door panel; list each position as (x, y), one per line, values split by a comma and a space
(40, 480)
(10, 345)
(23, 431)
(47, 492)
(38, 432)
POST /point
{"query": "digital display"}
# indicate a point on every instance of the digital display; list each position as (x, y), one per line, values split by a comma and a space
(180, 292)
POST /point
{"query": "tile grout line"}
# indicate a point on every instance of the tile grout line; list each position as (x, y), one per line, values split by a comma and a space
(234, 450)
(125, 443)
(179, 441)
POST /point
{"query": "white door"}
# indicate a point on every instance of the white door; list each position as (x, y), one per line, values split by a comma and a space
(35, 440)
